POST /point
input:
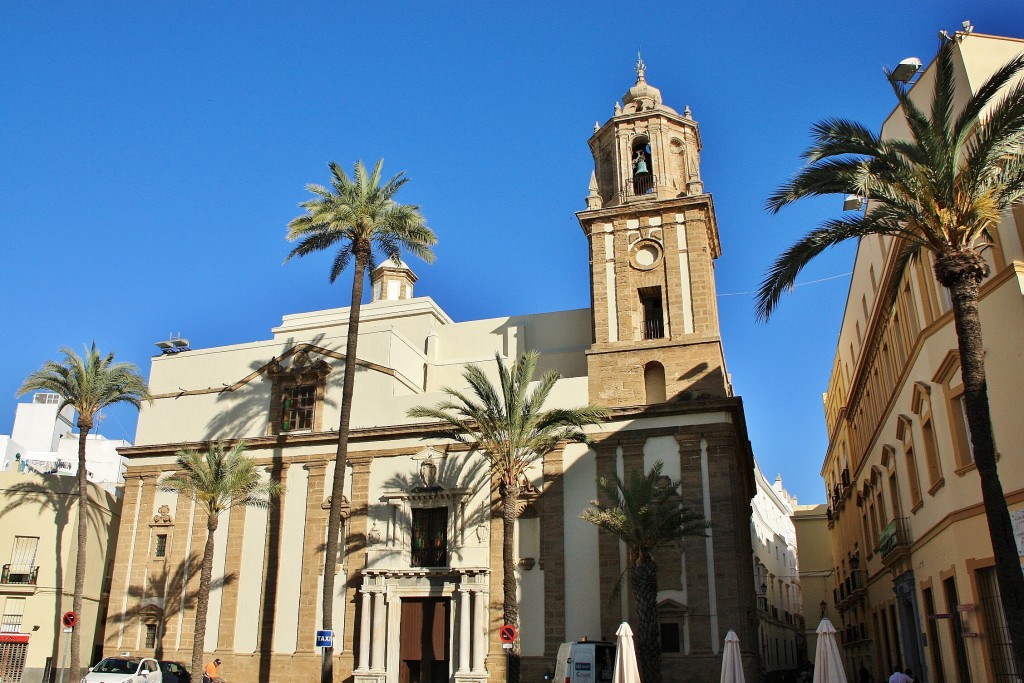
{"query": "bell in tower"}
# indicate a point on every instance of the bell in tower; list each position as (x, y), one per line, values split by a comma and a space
(653, 239)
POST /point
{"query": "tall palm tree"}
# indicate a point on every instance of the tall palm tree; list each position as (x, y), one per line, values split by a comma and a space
(218, 480)
(357, 217)
(943, 191)
(88, 384)
(510, 427)
(644, 512)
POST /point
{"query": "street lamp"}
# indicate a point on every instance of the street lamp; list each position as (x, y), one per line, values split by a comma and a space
(824, 606)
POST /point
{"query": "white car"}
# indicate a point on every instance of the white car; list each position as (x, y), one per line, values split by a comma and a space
(124, 670)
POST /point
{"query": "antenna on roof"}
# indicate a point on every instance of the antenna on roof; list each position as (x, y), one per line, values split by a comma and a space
(174, 344)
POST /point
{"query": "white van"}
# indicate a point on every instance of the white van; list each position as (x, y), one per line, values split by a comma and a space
(585, 661)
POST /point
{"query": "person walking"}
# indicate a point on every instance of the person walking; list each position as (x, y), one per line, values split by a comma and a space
(211, 673)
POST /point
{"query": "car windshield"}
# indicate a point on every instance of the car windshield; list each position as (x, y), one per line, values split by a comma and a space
(115, 665)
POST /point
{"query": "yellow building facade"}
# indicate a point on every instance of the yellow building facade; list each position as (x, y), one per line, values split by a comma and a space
(914, 584)
(38, 545)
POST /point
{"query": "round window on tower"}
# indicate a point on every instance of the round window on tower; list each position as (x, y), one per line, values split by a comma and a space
(645, 254)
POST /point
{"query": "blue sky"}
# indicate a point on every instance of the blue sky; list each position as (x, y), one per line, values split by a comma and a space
(151, 155)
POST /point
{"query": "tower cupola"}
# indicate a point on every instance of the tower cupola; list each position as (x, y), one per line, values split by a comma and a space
(391, 282)
(646, 151)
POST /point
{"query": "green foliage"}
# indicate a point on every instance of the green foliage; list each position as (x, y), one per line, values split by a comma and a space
(942, 190)
(644, 512)
(360, 211)
(220, 479)
(508, 422)
(88, 383)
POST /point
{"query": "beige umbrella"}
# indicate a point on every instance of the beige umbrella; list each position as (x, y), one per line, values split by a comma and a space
(626, 669)
(828, 665)
(732, 663)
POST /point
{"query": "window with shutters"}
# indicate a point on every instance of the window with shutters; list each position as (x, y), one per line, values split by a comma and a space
(22, 567)
(14, 610)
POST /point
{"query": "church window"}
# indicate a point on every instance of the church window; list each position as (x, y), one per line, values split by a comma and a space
(297, 392)
(654, 382)
(297, 405)
(161, 546)
(429, 537)
(650, 302)
(150, 635)
(641, 168)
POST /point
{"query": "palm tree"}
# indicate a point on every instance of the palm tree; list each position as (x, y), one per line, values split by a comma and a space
(355, 216)
(217, 480)
(510, 427)
(941, 191)
(88, 384)
(644, 512)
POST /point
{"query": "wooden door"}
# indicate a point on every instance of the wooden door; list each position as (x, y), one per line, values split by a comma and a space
(423, 643)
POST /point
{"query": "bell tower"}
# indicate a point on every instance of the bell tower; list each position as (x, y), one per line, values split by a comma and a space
(653, 240)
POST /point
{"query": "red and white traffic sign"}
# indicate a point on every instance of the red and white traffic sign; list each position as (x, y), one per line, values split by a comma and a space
(508, 633)
(69, 619)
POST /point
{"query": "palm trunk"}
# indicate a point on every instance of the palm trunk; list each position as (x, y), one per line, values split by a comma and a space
(510, 607)
(643, 579)
(83, 541)
(962, 276)
(362, 252)
(203, 600)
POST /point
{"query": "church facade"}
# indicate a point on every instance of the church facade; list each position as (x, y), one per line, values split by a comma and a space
(418, 585)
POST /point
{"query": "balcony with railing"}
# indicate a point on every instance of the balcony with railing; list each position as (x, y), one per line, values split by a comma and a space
(641, 184)
(18, 578)
(19, 573)
(654, 328)
(895, 540)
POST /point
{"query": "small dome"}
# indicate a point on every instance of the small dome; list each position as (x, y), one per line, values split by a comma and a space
(642, 91)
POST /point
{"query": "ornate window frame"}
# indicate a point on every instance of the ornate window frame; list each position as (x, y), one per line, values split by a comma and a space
(301, 372)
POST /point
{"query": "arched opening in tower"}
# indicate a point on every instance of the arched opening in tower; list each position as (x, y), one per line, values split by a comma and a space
(643, 170)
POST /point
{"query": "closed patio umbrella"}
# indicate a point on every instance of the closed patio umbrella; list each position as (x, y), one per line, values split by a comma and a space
(732, 663)
(626, 669)
(828, 665)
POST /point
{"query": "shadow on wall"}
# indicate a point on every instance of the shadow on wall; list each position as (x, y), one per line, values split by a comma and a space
(173, 584)
(246, 404)
(60, 494)
(466, 470)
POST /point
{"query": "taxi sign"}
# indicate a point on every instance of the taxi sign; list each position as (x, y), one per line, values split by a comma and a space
(325, 638)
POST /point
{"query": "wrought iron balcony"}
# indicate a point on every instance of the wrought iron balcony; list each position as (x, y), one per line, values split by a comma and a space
(641, 184)
(895, 539)
(19, 573)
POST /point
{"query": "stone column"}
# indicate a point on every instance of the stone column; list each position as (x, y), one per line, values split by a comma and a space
(354, 550)
(232, 567)
(480, 598)
(608, 547)
(464, 621)
(379, 635)
(364, 633)
(552, 551)
(132, 516)
(312, 556)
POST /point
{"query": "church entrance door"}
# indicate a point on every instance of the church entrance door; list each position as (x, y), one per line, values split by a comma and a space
(423, 646)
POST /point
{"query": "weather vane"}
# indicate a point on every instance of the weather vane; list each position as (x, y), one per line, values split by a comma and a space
(640, 66)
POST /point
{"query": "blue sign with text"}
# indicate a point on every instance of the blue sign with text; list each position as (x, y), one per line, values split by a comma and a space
(325, 638)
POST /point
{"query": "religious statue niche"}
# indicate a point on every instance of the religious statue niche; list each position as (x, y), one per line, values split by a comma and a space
(642, 180)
